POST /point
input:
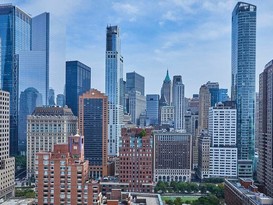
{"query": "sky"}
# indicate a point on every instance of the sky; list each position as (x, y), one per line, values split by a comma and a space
(191, 38)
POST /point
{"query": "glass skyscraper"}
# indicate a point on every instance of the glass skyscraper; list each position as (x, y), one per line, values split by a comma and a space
(77, 82)
(113, 87)
(136, 82)
(152, 109)
(15, 36)
(243, 82)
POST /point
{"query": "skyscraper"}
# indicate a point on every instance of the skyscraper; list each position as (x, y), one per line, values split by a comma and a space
(265, 162)
(136, 82)
(15, 35)
(30, 98)
(60, 100)
(152, 109)
(77, 82)
(93, 124)
(7, 163)
(113, 87)
(243, 82)
(51, 97)
(178, 102)
(166, 90)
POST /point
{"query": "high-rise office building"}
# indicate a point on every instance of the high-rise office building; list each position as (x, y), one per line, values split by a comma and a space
(222, 132)
(214, 92)
(137, 105)
(62, 175)
(167, 115)
(223, 95)
(135, 82)
(7, 163)
(33, 62)
(243, 82)
(152, 109)
(203, 168)
(93, 124)
(178, 102)
(265, 146)
(113, 87)
(60, 100)
(172, 156)
(45, 127)
(29, 100)
(77, 82)
(136, 157)
(51, 97)
(13, 19)
(166, 90)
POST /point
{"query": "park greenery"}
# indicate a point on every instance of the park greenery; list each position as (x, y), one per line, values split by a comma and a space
(25, 192)
(211, 193)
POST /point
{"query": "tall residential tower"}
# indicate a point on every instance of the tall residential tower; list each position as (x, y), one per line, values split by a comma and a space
(243, 82)
(113, 87)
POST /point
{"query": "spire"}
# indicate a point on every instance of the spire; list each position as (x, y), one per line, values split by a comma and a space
(167, 78)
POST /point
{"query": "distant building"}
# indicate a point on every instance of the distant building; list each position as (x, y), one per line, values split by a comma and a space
(45, 127)
(166, 90)
(152, 109)
(172, 156)
(62, 176)
(60, 100)
(135, 82)
(204, 104)
(137, 105)
(7, 163)
(51, 97)
(223, 95)
(77, 82)
(265, 146)
(136, 159)
(29, 100)
(178, 102)
(167, 115)
(243, 191)
(203, 169)
(93, 124)
(223, 150)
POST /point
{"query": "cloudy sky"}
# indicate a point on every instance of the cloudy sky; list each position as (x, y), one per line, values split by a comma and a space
(191, 38)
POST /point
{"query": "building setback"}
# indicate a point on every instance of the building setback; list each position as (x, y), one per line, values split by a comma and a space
(93, 124)
(62, 176)
(7, 163)
(77, 82)
(136, 158)
(45, 127)
(172, 156)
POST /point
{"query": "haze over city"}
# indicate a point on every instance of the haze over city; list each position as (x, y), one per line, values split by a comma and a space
(190, 38)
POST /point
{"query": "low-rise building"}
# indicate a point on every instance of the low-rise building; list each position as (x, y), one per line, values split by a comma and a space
(244, 192)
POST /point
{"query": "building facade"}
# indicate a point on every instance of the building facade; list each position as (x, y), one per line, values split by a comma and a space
(93, 124)
(62, 176)
(223, 150)
(265, 162)
(77, 82)
(136, 159)
(46, 127)
(7, 163)
(178, 102)
(243, 82)
(113, 87)
(203, 169)
(152, 109)
(60, 100)
(172, 156)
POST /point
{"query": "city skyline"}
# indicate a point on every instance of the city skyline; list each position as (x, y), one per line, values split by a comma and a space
(169, 37)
